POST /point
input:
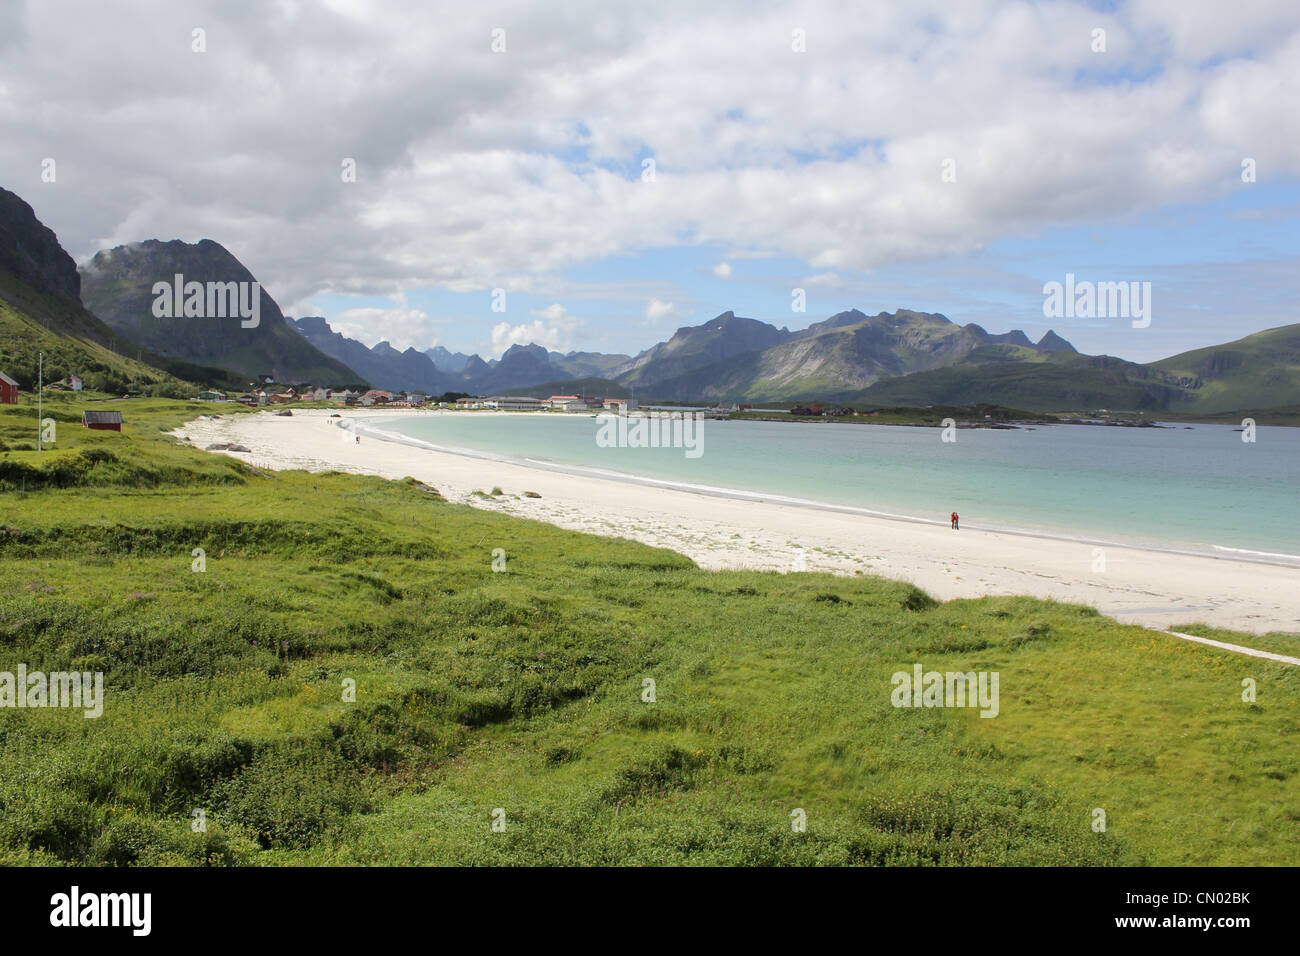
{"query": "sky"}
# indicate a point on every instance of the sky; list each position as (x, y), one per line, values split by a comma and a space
(621, 170)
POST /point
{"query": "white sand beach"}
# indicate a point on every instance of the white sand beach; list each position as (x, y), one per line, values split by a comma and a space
(1138, 586)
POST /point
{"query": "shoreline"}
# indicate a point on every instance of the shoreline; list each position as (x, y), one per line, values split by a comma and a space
(1140, 585)
(1212, 552)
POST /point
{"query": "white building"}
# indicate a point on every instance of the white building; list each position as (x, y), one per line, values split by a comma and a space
(516, 403)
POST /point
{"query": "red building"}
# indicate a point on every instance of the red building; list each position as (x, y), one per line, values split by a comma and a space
(8, 390)
(102, 421)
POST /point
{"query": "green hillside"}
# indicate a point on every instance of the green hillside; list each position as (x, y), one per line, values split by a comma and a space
(76, 343)
(523, 691)
(1043, 386)
(1256, 372)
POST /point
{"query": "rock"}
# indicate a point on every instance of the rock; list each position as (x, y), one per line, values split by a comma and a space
(238, 448)
(531, 494)
(286, 412)
(218, 446)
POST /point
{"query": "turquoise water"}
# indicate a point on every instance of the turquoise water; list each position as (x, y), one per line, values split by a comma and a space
(1201, 488)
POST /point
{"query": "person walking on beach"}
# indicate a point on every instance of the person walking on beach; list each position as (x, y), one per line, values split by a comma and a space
(955, 519)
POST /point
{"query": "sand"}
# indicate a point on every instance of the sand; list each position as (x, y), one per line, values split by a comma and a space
(1148, 587)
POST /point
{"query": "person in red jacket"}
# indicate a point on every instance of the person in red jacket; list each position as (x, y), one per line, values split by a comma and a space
(955, 519)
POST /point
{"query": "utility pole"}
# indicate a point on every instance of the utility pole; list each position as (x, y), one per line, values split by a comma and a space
(40, 374)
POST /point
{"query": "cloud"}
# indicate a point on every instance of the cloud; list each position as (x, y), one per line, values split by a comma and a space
(536, 332)
(558, 315)
(831, 157)
(722, 270)
(657, 309)
(400, 325)
(824, 280)
(553, 328)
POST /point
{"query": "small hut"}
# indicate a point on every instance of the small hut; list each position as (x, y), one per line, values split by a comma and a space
(102, 421)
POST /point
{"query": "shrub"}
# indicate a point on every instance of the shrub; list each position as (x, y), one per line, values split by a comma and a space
(289, 797)
(918, 600)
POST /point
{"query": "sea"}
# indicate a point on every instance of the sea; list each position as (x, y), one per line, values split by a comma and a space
(1197, 488)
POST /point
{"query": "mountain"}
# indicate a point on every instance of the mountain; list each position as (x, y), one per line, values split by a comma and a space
(846, 353)
(41, 311)
(1260, 371)
(1014, 337)
(520, 366)
(382, 366)
(728, 357)
(589, 364)
(1060, 381)
(30, 252)
(695, 347)
(1255, 372)
(118, 286)
(1052, 342)
(903, 357)
(447, 361)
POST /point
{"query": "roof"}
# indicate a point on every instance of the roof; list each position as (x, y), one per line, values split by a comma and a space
(7, 380)
(101, 418)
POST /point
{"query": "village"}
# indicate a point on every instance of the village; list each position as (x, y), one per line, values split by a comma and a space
(267, 393)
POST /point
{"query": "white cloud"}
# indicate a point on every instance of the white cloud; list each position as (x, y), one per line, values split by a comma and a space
(657, 309)
(400, 325)
(722, 270)
(557, 315)
(553, 328)
(824, 280)
(831, 158)
(536, 332)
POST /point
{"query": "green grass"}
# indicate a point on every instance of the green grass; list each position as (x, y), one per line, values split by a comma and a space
(522, 690)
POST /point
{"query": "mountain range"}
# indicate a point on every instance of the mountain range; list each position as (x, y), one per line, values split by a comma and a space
(728, 357)
(100, 322)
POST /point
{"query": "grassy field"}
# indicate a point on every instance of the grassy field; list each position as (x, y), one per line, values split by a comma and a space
(518, 694)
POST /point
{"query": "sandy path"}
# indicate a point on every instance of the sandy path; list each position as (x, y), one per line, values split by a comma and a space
(1138, 586)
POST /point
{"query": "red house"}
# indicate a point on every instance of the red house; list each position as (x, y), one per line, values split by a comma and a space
(8, 390)
(102, 421)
